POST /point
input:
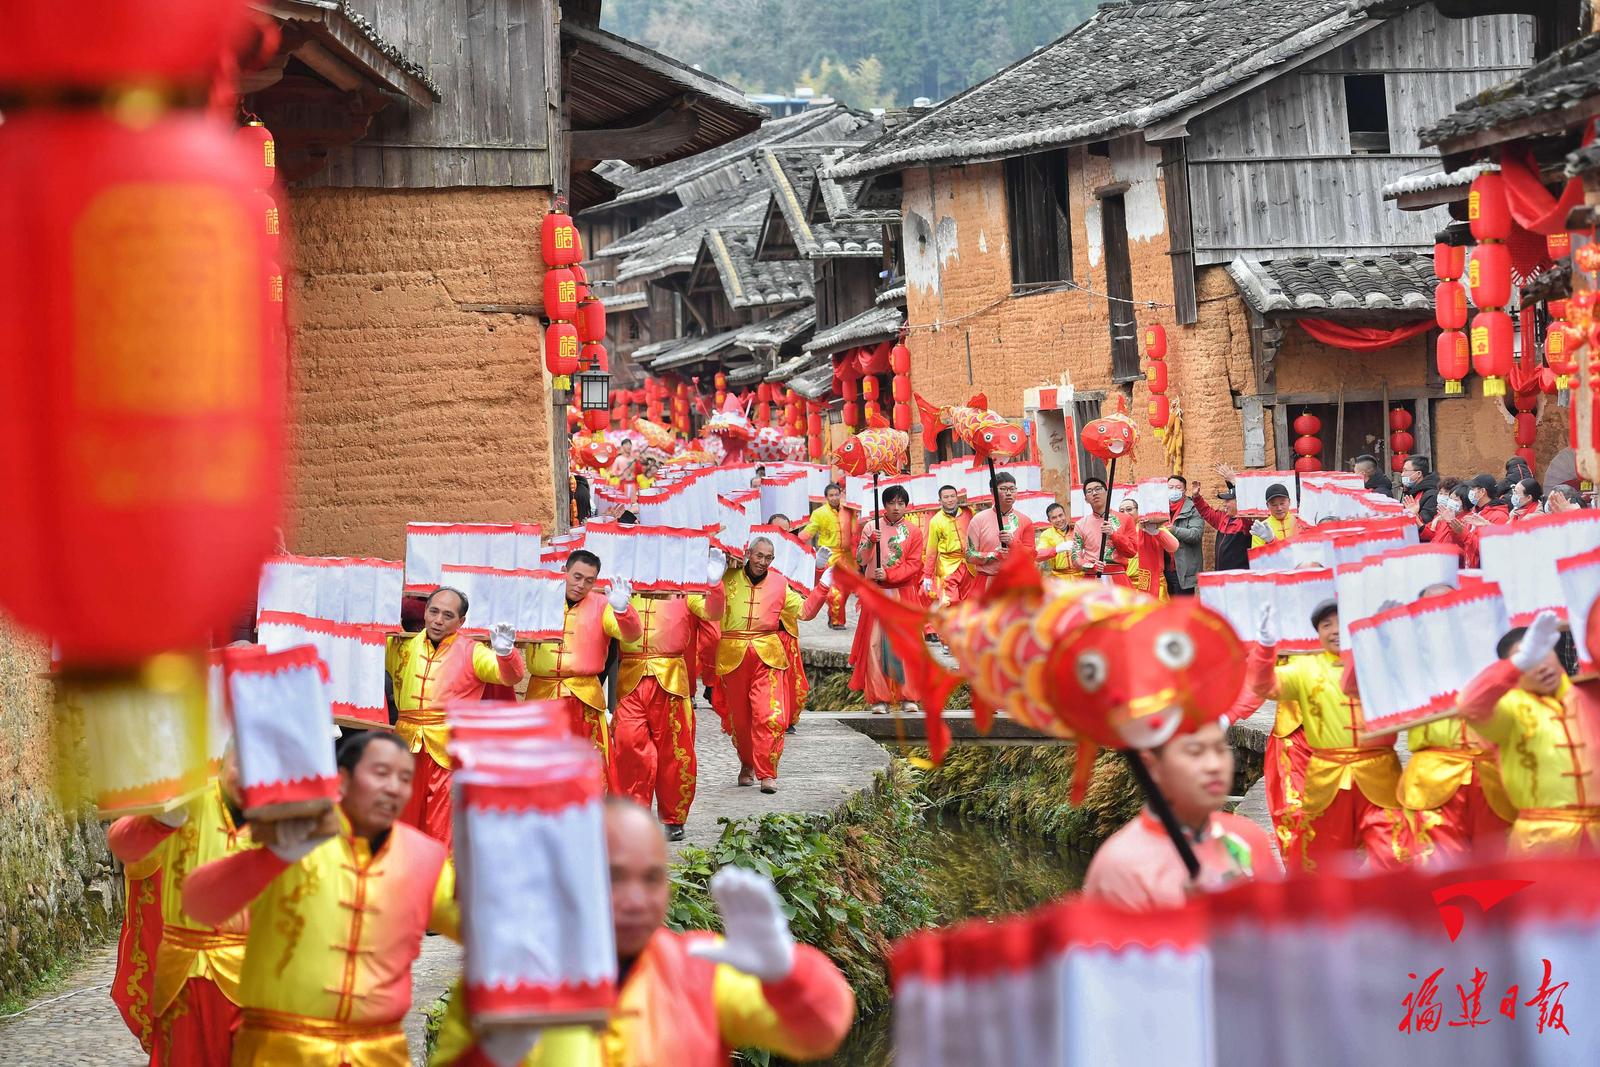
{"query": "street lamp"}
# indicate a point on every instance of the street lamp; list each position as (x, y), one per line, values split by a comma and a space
(594, 390)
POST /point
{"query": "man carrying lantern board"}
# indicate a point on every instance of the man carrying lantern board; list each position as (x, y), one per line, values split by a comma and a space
(1348, 797)
(1281, 522)
(429, 671)
(889, 552)
(686, 999)
(1548, 731)
(1137, 867)
(569, 670)
(825, 530)
(1146, 570)
(1055, 545)
(335, 922)
(946, 578)
(753, 665)
(1102, 542)
(1450, 793)
(994, 532)
(194, 1002)
(653, 728)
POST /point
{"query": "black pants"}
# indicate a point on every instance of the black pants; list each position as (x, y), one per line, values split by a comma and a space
(1172, 585)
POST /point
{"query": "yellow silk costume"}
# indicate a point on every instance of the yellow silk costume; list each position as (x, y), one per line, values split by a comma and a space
(427, 676)
(1061, 564)
(1444, 757)
(751, 616)
(1309, 691)
(823, 528)
(946, 545)
(660, 649)
(1282, 529)
(572, 666)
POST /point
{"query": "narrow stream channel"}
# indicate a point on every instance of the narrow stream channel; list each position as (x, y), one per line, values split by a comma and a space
(978, 869)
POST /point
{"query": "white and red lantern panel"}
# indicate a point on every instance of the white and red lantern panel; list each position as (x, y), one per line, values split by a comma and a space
(283, 731)
(355, 656)
(365, 592)
(1522, 557)
(532, 601)
(504, 546)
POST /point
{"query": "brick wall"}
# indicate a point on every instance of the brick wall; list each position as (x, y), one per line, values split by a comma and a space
(408, 403)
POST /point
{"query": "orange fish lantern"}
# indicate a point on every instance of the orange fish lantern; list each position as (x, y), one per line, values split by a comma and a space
(596, 454)
(879, 449)
(1111, 436)
(655, 435)
(989, 435)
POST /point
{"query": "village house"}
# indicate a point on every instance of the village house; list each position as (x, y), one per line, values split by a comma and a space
(1216, 167)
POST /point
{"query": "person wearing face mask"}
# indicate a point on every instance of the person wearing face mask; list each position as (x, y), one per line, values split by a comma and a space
(1419, 487)
(1187, 527)
(1526, 498)
(1487, 507)
(1547, 730)
(1447, 527)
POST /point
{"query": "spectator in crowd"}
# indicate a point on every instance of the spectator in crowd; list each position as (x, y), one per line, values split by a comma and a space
(1486, 503)
(1563, 498)
(1233, 532)
(1376, 481)
(1184, 562)
(1526, 497)
(1418, 482)
(1447, 527)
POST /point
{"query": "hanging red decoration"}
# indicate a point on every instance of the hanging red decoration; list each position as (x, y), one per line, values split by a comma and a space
(1487, 211)
(1448, 261)
(1308, 446)
(1587, 258)
(1160, 410)
(1527, 429)
(851, 415)
(1401, 441)
(593, 356)
(591, 320)
(560, 294)
(1307, 464)
(260, 152)
(271, 221)
(720, 380)
(1492, 333)
(1399, 419)
(1489, 276)
(1525, 400)
(1361, 338)
(869, 388)
(581, 276)
(1527, 456)
(900, 359)
(1547, 381)
(1558, 244)
(814, 423)
(902, 416)
(558, 240)
(1155, 375)
(872, 411)
(1155, 341)
(561, 348)
(901, 387)
(1453, 357)
(597, 419)
(1307, 425)
(1450, 305)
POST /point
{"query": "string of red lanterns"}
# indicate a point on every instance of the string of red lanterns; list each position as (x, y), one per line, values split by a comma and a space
(1400, 440)
(1489, 278)
(1307, 445)
(1155, 374)
(1453, 351)
(900, 365)
(561, 249)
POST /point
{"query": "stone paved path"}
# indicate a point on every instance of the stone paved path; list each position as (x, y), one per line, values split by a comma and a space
(823, 764)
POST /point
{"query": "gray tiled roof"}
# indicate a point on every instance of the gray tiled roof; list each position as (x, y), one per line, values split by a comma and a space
(749, 374)
(795, 366)
(1129, 65)
(873, 325)
(815, 383)
(691, 217)
(1560, 80)
(365, 27)
(684, 351)
(1434, 177)
(678, 250)
(1399, 283)
(792, 172)
(748, 282)
(770, 333)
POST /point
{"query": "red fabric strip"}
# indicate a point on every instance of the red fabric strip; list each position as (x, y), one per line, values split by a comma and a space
(1361, 338)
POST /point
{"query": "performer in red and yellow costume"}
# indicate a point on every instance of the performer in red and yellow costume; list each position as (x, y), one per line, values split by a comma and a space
(194, 998)
(946, 578)
(686, 999)
(653, 730)
(335, 923)
(133, 982)
(430, 670)
(825, 529)
(1102, 542)
(1146, 570)
(1054, 545)
(752, 662)
(994, 533)
(569, 670)
(1548, 732)
(1349, 793)
(889, 552)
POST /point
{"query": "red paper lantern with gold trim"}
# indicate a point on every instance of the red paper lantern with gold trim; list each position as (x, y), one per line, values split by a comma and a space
(558, 240)
(1452, 355)
(1155, 375)
(1525, 401)
(561, 349)
(560, 294)
(1526, 454)
(591, 320)
(1489, 276)
(872, 411)
(1155, 341)
(593, 356)
(1488, 213)
(902, 389)
(869, 388)
(1308, 446)
(1527, 429)
(900, 359)
(1448, 261)
(1308, 425)
(902, 416)
(1492, 333)
(260, 152)
(1450, 305)
(597, 419)
(582, 278)
(1160, 410)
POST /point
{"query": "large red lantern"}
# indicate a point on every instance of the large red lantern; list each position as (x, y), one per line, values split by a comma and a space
(591, 320)
(1307, 464)
(1450, 305)
(872, 412)
(1155, 341)
(1527, 429)
(271, 221)
(1489, 275)
(1160, 410)
(1453, 357)
(869, 388)
(561, 348)
(1155, 375)
(814, 423)
(1491, 350)
(558, 240)
(1487, 210)
(1399, 419)
(902, 416)
(597, 419)
(900, 359)
(593, 356)
(1527, 400)
(1448, 261)
(902, 389)
(851, 414)
(582, 277)
(1308, 425)
(1308, 446)
(1401, 441)
(261, 152)
(142, 383)
(560, 294)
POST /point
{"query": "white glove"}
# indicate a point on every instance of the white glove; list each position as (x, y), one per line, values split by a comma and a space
(1267, 627)
(503, 639)
(757, 939)
(620, 595)
(174, 818)
(1263, 531)
(927, 586)
(1538, 642)
(716, 566)
(824, 554)
(1063, 549)
(294, 841)
(826, 580)
(506, 1045)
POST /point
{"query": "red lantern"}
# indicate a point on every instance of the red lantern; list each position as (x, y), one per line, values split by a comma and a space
(1557, 309)
(1397, 461)
(582, 277)
(1155, 375)
(900, 359)
(852, 387)
(1487, 210)
(902, 389)
(1307, 424)
(814, 447)
(1558, 244)
(1307, 464)
(1401, 441)
(558, 241)
(591, 320)
(1489, 276)
(869, 388)
(1155, 341)
(851, 414)
(1448, 261)
(1491, 350)
(1160, 408)
(597, 419)
(1450, 305)
(872, 411)
(1399, 419)
(593, 356)
(1308, 446)
(1527, 429)
(1453, 356)
(1525, 401)
(150, 471)
(561, 346)
(814, 423)
(1526, 455)
(271, 221)
(720, 380)
(560, 294)
(902, 416)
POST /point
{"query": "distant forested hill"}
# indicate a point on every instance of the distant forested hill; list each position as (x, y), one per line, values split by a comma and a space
(868, 53)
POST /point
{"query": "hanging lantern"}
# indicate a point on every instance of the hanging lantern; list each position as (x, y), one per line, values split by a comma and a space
(581, 276)
(1489, 276)
(560, 294)
(1155, 341)
(591, 320)
(1558, 244)
(558, 240)
(1399, 419)
(1525, 401)
(1401, 441)
(872, 411)
(1491, 350)
(1308, 446)
(561, 347)
(1308, 425)
(597, 419)
(1527, 456)
(1587, 258)
(593, 357)
(1547, 382)
(1160, 410)
(814, 423)
(1307, 464)
(901, 386)
(1448, 261)
(1450, 305)
(900, 359)
(271, 221)
(902, 416)
(1488, 213)
(260, 152)
(1453, 357)
(1527, 429)
(1155, 375)
(869, 388)
(850, 414)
